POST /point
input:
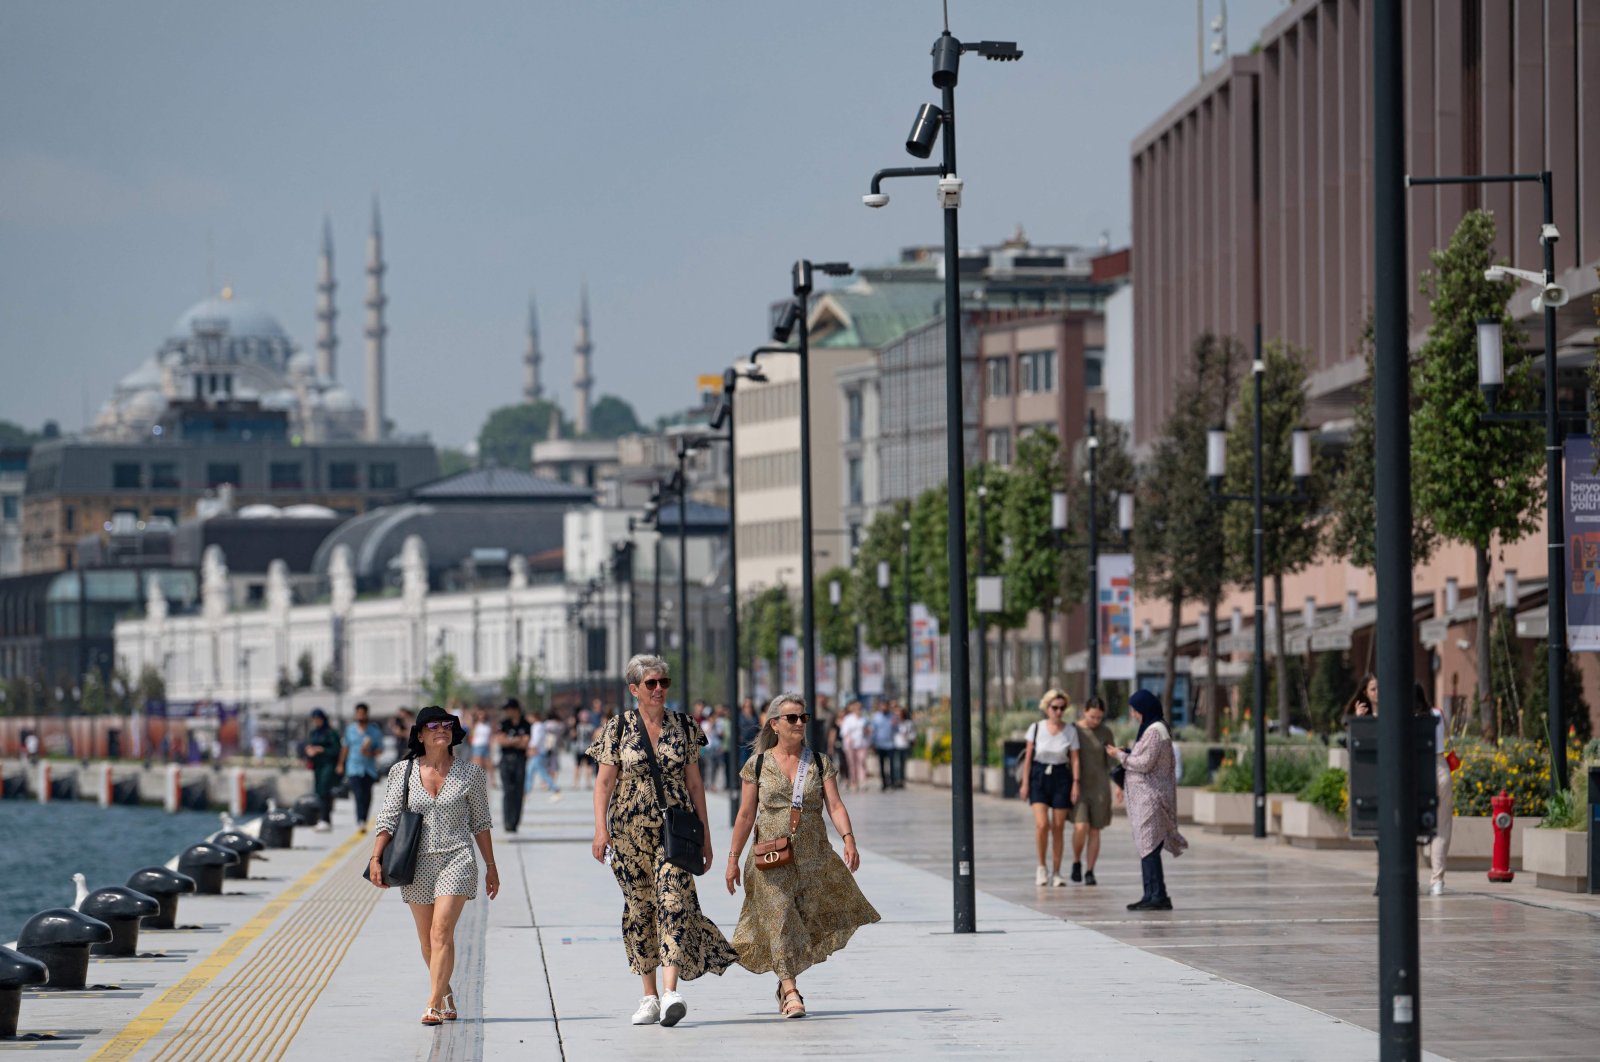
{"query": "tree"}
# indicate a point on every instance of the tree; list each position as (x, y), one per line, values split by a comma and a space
(444, 685)
(836, 624)
(524, 682)
(13, 434)
(768, 618)
(996, 483)
(1536, 700)
(508, 435)
(1331, 683)
(95, 698)
(612, 418)
(1035, 567)
(150, 687)
(1115, 474)
(453, 461)
(305, 671)
(1475, 482)
(930, 564)
(1291, 535)
(880, 611)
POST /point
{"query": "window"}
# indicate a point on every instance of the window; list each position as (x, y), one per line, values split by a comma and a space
(769, 471)
(164, 475)
(220, 472)
(342, 475)
(853, 414)
(9, 506)
(999, 374)
(381, 475)
(1038, 371)
(286, 475)
(127, 475)
(69, 519)
(854, 472)
(997, 446)
(1094, 367)
(1032, 660)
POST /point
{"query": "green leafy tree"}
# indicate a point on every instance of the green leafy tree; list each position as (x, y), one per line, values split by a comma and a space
(612, 418)
(836, 624)
(452, 461)
(1291, 537)
(995, 480)
(881, 611)
(95, 699)
(508, 435)
(150, 687)
(444, 684)
(305, 671)
(1508, 673)
(768, 618)
(1331, 683)
(12, 434)
(930, 565)
(1035, 567)
(1536, 700)
(1476, 483)
(1115, 474)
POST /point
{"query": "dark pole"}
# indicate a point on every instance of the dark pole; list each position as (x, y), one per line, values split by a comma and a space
(983, 635)
(729, 379)
(956, 546)
(905, 528)
(817, 737)
(624, 558)
(1554, 516)
(655, 599)
(683, 569)
(1257, 541)
(1399, 998)
(1094, 562)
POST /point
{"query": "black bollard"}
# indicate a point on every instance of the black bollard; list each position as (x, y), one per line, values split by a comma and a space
(309, 808)
(17, 971)
(121, 908)
(60, 938)
(164, 886)
(277, 828)
(243, 845)
(205, 863)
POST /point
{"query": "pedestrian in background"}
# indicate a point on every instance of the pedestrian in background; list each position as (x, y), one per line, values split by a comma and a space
(662, 925)
(1050, 781)
(513, 738)
(358, 761)
(1152, 796)
(453, 798)
(538, 762)
(1365, 700)
(1439, 847)
(853, 734)
(881, 731)
(322, 756)
(797, 915)
(1091, 812)
(905, 735)
(482, 736)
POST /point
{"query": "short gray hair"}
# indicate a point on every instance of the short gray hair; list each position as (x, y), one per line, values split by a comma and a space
(642, 664)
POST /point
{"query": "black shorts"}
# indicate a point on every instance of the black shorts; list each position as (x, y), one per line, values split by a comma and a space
(1051, 785)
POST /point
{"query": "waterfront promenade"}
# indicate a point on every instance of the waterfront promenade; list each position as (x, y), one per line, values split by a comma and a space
(1269, 955)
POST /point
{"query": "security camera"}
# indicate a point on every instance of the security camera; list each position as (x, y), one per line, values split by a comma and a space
(876, 199)
(950, 192)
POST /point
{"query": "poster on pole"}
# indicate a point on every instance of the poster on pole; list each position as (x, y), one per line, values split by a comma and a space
(924, 650)
(873, 667)
(827, 675)
(1582, 518)
(789, 662)
(1114, 614)
(761, 682)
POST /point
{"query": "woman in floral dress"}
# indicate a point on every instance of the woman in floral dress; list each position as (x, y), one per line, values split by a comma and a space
(662, 925)
(794, 916)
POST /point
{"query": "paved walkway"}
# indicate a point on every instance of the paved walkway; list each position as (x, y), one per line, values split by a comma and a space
(1269, 955)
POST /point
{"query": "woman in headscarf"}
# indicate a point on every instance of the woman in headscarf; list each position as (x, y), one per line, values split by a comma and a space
(1152, 798)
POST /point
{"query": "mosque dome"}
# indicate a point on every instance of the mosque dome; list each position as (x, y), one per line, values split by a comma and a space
(235, 317)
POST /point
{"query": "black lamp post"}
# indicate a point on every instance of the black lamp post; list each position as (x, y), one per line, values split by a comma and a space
(1216, 468)
(680, 483)
(924, 131)
(1491, 376)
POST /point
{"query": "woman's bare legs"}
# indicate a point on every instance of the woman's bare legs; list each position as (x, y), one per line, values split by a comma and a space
(1058, 829)
(1085, 844)
(436, 926)
(1041, 830)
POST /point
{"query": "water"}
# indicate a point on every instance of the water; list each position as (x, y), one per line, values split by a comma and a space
(43, 845)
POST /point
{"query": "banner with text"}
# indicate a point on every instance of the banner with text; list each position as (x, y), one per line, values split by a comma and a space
(789, 663)
(873, 668)
(925, 650)
(1582, 518)
(1114, 613)
(827, 675)
(761, 682)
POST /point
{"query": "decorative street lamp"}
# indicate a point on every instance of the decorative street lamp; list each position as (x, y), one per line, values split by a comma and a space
(1058, 524)
(1216, 469)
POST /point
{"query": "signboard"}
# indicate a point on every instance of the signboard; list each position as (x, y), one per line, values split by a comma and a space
(991, 593)
(761, 682)
(1114, 614)
(924, 650)
(827, 675)
(1581, 496)
(789, 662)
(873, 668)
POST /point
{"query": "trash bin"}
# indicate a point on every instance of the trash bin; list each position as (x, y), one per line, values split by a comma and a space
(309, 808)
(243, 845)
(121, 908)
(164, 886)
(205, 863)
(1010, 757)
(277, 828)
(60, 938)
(17, 971)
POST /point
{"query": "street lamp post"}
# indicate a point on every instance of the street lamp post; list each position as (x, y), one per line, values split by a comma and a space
(911, 642)
(1216, 468)
(983, 631)
(925, 129)
(1491, 375)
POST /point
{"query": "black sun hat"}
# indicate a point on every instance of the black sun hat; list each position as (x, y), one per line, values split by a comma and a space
(428, 715)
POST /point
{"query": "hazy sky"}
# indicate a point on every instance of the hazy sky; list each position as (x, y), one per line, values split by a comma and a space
(678, 155)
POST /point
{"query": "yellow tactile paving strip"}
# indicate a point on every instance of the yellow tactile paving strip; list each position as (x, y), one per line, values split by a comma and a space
(272, 990)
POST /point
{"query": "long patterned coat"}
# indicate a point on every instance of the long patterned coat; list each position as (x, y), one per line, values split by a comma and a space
(1152, 793)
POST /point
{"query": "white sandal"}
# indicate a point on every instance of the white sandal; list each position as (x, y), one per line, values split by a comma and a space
(431, 1016)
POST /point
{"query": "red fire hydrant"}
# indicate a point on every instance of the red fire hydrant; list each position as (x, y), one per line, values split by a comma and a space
(1500, 806)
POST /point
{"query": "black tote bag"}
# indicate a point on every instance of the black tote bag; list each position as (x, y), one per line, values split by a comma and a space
(399, 858)
(683, 835)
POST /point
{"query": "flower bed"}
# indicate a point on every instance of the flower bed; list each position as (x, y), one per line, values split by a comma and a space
(1519, 766)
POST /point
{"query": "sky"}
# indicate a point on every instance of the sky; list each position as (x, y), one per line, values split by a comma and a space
(677, 156)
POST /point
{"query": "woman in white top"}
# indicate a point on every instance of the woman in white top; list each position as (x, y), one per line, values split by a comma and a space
(853, 732)
(1050, 781)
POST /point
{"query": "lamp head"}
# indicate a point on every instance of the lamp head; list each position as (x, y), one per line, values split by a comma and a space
(800, 277)
(924, 131)
(784, 325)
(946, 62)
(1216, 456)
(876, 199)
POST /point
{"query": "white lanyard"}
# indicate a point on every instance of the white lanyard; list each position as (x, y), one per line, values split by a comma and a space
(799, 796)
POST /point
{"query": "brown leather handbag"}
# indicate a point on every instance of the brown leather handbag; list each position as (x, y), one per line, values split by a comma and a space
(779, 852)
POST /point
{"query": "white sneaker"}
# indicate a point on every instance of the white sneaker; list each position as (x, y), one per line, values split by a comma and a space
(1057, 881)
(555, 798)
(673, 1008)
(1436, 889)
(323, 827)
(649, 1011)
(1041, 876)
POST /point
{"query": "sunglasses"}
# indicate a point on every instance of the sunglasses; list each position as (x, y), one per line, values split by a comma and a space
(663, 683)
(792, 718)
(437, 724)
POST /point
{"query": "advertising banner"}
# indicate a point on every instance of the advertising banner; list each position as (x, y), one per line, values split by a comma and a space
(873, 668)
(1582, 520)
(1114, 614)
(924, 650)
(827, 675)
(761, 682)
(789, 662)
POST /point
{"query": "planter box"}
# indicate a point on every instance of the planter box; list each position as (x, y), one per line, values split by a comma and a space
(1309, 826)
(941, 775)
(1186, 794)
(1472, 842)
(1339, 758)
(1558, 859)
(994, 780)
(917, 771)
(1224, 812)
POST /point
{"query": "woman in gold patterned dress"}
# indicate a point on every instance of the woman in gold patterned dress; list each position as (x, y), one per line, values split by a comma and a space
(662, 925)
(794, 916)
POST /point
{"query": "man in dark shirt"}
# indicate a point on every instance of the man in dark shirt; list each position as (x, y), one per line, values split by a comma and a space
(515, 732)
(322, 753)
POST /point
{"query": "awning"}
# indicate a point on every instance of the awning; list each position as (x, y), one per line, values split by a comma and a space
(1436, 631)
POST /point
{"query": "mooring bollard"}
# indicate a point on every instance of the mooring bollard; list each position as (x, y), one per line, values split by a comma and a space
(205, 863)
(104, 789)
(60, 938)
(172, 793)
(309, 808)
(164, 886)
(238, 792)
(17, 971)
(121, 908)
(242, 845)
(42, 787)
(277, 828)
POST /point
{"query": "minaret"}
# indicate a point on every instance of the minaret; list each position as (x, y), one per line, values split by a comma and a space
(327, 339)
(582, 380)
(375, 327)
(532, 388)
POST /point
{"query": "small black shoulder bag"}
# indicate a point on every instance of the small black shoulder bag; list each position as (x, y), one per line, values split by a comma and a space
(683, 836)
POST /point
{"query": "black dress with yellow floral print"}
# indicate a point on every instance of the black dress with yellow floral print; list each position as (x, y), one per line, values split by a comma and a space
(662, 924)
